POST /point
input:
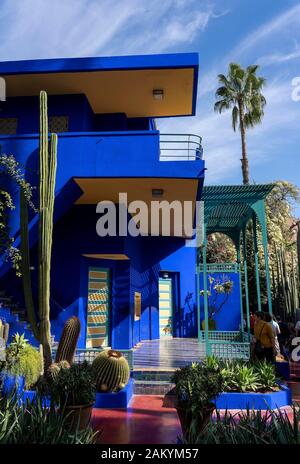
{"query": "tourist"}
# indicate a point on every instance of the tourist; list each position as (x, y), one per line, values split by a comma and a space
(264, 338)
(283, 337)
(271, 320)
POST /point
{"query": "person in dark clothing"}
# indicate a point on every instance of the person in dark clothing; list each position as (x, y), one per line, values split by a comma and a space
(284, 336)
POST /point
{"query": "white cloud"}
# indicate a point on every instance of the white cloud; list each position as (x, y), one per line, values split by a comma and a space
(46, 29)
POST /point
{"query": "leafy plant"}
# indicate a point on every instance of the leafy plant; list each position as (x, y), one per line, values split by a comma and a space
(19, 342)
(24, 360)
(218, 293)
(250, 427)
(239, 376)
(197, 386)
(32, 423)
(74, 386)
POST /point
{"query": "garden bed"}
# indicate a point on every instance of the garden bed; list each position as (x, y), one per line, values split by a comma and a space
(112, 400)
(255, 400)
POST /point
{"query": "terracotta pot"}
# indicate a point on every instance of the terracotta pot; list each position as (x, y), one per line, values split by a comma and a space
(79, 416)
(185, 418)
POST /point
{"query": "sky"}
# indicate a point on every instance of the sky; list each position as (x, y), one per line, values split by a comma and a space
(264, 32)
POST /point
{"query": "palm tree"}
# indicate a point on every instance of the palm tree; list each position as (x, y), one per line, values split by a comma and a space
(241, 91)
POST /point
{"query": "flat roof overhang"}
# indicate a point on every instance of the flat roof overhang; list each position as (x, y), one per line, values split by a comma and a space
(112, 84)
(108, 189)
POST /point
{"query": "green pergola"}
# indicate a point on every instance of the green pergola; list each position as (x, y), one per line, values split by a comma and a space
(228, 209)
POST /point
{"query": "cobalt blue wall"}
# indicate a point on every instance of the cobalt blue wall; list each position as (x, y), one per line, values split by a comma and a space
(229, 318)
(183, 261)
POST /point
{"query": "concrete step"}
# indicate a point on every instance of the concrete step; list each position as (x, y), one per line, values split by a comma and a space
(144, 387)
(152, 381)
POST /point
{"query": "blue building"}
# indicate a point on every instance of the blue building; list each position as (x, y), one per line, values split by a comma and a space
(124, 289)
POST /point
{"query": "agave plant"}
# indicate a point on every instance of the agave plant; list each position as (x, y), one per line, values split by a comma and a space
(245, 379)
(266, 374)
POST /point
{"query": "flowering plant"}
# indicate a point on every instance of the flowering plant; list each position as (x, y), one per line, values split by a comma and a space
(218, 293)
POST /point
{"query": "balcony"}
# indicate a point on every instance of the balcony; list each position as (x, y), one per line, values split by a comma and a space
(180, 147)
(134, 154)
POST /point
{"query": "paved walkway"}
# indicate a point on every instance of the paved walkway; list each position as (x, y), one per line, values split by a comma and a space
(147, 422)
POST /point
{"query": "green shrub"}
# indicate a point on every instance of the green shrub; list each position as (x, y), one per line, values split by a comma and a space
(196, 386)
(23, 359)
(74, 386)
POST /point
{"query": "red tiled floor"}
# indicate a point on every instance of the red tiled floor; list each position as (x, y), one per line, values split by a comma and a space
(145, 422)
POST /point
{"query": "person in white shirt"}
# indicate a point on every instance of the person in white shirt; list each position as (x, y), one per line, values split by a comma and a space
(276, 330)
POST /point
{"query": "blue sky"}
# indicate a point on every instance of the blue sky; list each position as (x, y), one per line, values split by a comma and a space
(266, 32)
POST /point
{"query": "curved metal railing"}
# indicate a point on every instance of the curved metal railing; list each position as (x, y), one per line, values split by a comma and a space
(180, 147)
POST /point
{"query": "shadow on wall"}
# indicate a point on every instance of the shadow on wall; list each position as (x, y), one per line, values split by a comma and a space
(185, 321)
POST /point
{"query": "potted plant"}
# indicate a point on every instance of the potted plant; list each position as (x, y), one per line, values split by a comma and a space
(74, 390)
(196, 387)
(23, 366)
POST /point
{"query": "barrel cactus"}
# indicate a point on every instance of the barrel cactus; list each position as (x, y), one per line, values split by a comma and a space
(55, 368)
(112, 371)
(68, 341)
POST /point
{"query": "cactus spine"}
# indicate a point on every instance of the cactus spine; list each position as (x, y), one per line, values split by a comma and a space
(111, 371)
(68, 341)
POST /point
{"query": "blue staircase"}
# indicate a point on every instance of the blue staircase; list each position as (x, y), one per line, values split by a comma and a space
(11, 313)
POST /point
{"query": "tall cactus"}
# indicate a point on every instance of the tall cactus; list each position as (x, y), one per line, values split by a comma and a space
(47, 167)
(68, 341)
(48, 162)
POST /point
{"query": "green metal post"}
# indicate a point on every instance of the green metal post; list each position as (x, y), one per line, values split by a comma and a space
(198, 295)
(238, 249)
(246, 278)
(205, 296)
(254, 222)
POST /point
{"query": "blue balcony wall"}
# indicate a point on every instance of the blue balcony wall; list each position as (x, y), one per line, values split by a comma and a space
(129, 154)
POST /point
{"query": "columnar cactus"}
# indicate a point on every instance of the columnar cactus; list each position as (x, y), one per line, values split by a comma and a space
(68, 340)
(48, 161)
(47, 168)
(1, 329)
(112, 371)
